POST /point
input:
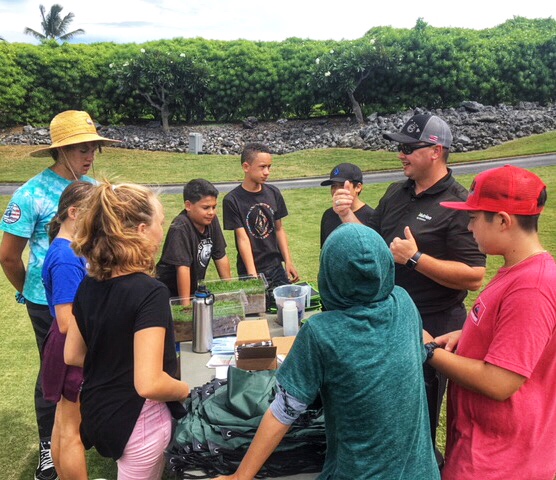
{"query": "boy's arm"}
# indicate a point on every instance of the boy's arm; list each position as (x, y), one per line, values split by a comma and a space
(477, 375)
(183, 278)
(223, 267)
(282, 239)
(244, 250)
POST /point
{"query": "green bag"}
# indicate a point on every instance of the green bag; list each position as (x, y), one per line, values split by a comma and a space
(222, 418)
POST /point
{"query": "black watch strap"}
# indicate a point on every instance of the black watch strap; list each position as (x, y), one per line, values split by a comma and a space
(412, 262)
(430, 348)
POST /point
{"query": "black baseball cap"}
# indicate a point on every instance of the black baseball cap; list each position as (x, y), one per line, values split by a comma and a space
(343, 172)
(423, 128)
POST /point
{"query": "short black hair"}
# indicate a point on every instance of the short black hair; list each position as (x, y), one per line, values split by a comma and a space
(197, 189)
(251, 150)
(528, 223)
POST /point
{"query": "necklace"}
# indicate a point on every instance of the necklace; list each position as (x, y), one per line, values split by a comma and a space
(526, 258)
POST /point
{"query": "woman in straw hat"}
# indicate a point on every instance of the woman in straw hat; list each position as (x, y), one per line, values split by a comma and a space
(73, 148)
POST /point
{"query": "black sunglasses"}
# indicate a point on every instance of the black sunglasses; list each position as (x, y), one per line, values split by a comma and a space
(408, 149)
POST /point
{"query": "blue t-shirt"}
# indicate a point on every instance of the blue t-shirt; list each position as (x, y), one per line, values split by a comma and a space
(62, 273)
(30, 210)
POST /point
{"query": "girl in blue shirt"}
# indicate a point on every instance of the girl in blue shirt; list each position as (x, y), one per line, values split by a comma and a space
(62, 273)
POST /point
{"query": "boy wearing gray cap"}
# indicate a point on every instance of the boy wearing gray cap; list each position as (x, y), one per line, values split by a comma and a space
(338, 176)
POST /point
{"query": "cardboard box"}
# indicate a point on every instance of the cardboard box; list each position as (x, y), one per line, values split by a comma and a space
(283, 345)
(254, 348)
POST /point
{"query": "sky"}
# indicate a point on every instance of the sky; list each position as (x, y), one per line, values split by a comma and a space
(138, 21)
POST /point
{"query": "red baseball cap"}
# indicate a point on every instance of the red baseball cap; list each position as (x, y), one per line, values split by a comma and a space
(507, 189)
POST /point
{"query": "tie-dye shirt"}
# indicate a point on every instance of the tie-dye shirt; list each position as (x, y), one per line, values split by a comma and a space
(27, 215)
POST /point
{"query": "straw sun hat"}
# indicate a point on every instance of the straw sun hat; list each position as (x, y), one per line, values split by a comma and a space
(69, 128)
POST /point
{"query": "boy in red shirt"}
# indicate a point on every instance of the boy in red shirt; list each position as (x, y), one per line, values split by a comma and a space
(501, 409)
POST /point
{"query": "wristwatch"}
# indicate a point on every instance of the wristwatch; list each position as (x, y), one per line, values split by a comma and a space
(430, 348)
(412, 262)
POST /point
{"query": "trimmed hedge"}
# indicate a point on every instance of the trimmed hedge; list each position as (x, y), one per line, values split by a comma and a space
(386, 70)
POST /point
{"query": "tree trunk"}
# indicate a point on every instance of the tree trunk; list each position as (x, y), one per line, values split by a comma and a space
(356, 108)
(165, 117)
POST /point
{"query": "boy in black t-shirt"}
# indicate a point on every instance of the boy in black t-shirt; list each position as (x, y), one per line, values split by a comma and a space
(193, 239)
(338, 176)
(254, 211)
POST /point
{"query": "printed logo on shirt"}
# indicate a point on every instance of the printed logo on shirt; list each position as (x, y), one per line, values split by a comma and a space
(423, 217)
(204, 252)
(260, 220)
(477, 311)
(12, 213)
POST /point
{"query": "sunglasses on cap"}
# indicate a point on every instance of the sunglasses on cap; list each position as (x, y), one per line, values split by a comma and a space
(408, 149)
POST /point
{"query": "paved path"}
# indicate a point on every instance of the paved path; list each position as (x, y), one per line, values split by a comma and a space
(374, 177)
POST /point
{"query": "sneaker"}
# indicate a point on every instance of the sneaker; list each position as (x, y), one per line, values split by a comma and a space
(45, 470)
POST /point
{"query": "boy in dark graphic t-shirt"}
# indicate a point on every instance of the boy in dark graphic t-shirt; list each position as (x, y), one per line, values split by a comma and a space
(193, 239)
(254, 211)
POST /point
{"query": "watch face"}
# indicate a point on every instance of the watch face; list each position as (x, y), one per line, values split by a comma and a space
(411, 264)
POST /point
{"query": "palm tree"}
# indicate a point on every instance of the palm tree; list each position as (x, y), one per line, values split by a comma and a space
(53, 25)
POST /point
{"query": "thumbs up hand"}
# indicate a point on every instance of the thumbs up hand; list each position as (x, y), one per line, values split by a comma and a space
(342, 200)
(404, 248)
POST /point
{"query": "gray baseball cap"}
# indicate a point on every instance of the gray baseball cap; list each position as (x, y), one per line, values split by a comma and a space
(423, 128)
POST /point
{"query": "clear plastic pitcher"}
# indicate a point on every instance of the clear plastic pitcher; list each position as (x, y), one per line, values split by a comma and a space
(298, 293)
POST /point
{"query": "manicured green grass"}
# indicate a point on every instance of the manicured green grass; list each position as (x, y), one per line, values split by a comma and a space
(18, 352)
(162, 168)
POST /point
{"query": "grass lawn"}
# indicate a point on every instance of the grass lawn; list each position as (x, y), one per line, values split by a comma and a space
(18, 352)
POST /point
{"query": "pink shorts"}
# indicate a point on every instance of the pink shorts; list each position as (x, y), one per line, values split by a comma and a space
(143, 457)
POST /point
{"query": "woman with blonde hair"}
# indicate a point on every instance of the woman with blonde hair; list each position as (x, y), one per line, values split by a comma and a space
(62, 273)
(123, 335)
(74, 143)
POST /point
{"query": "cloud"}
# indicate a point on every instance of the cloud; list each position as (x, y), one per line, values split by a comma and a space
(145, 20)
(126, 24)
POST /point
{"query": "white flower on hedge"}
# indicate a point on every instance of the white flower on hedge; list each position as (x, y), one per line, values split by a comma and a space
(372, 41)
(331, 51)
(327, 74)
(317, 61)
(182, 54)
(125, 64)
(143, 50)
(111, 65)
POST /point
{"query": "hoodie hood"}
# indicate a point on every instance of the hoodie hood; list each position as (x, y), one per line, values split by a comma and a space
(356, 268)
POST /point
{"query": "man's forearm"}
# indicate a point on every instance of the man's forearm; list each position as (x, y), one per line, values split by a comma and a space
(456, 275)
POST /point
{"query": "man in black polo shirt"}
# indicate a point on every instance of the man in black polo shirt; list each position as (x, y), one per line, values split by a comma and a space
(437, 259)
